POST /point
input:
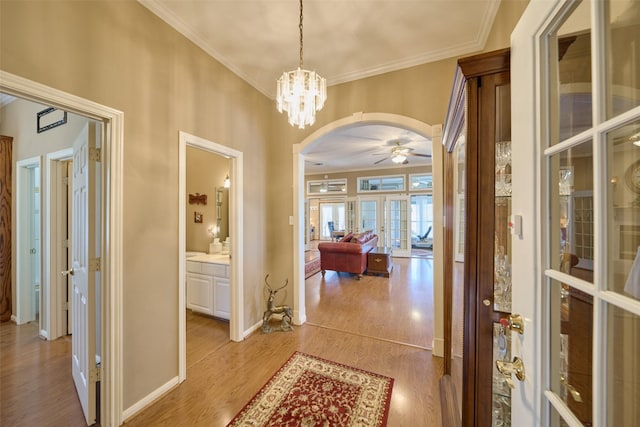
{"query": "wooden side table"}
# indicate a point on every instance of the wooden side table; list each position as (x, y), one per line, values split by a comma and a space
(379, 261)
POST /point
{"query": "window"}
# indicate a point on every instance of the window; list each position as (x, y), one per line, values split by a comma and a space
(327, 186)
(420, 182)
(421, 215)
(380, 183)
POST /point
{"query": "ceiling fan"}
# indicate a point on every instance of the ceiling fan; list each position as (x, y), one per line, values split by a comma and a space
(399, 154)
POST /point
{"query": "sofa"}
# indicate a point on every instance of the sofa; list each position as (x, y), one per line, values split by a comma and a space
(349, 255)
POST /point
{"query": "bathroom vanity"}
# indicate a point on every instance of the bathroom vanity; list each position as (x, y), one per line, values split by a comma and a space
(208, 284)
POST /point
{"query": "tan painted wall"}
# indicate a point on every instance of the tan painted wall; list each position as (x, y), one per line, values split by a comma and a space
(421, 92)
(120, 55)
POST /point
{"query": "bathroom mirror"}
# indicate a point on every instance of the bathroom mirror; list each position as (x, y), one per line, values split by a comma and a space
(222, 212)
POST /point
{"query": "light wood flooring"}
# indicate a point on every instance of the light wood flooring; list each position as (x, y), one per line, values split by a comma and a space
(377, 324)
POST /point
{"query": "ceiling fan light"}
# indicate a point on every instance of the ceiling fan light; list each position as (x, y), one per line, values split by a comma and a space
(398, 158)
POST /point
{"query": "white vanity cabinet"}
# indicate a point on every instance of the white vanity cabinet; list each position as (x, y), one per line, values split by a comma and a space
(208, 285)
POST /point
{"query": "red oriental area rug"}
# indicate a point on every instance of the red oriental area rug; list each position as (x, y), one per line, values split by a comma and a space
(311, 263)
(309, 391)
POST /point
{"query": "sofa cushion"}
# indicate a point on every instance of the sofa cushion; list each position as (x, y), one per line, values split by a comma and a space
(347, 238)
(363, 237)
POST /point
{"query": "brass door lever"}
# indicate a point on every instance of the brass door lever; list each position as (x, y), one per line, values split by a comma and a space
(514, 322)
(507, 368)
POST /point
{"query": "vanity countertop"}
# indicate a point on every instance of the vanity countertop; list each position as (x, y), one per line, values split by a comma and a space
(211, 259)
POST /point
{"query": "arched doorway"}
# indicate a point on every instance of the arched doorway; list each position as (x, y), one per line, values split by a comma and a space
(432, 132)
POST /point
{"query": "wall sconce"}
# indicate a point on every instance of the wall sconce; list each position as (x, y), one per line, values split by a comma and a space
(227, 182)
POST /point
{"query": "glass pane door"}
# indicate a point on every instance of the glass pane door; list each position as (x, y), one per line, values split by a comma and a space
(591, 235)
(398, 216)
(371, 216)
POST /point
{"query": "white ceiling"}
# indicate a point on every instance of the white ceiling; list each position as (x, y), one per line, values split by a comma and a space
(344, 40)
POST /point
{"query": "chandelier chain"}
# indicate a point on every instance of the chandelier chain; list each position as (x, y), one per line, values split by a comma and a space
(300, 26)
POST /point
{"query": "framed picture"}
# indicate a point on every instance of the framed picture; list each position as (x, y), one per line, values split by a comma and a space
(50, 118)
(197, 217)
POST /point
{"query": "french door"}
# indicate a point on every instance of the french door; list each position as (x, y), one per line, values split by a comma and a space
(398, 225)
(371, 216)
(575, 70)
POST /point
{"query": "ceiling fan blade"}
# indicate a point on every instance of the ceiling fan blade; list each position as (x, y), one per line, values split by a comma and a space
(380, 161)
(418, 154)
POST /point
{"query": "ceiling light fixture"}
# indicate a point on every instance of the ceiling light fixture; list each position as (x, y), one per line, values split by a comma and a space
(398, 158)
(301, 92)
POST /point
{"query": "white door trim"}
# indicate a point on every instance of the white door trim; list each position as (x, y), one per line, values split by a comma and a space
(236, 227)
(111, 291)
(360, 119)
(24, 312)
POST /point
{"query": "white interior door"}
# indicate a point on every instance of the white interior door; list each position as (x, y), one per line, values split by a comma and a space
(84, 270)
(576, 266)
(397, 226)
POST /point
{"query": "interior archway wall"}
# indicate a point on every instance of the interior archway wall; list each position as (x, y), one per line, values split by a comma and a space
(434, 132)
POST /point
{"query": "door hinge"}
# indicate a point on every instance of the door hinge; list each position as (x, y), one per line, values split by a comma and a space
(65, 180)
(94, 264)
(65, 243)
(65, 306)
(94, 154)
(95, 374)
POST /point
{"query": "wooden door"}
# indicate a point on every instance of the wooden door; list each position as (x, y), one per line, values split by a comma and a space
(485, 397)
(5, 227)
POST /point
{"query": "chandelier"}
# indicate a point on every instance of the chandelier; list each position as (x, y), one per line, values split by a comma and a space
(301, 92)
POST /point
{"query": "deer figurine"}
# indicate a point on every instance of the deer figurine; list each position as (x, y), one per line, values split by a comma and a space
(285, 310)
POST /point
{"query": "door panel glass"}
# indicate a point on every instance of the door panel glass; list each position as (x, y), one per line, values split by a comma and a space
(571, 211)
(501, 409)
(572, 97)
(422, 221)
(623, 368)
(623, 56)
(502, 206)
(571, 329)
(369, 215)
(398, 224)
(623, 201)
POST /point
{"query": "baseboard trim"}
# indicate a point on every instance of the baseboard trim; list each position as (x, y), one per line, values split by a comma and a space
(148, 400)
(438, 347)
(252, 329)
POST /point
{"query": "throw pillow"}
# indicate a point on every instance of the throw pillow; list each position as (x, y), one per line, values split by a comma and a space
(347, 238)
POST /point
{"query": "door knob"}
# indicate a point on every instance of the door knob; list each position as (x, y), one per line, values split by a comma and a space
(508, 368)
(67, 272)
(513, 322)
(574, 393)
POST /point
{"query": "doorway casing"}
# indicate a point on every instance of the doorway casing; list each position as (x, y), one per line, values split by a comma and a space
(236, 227)
(360, 119)
(111, 205)
(26, 255)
